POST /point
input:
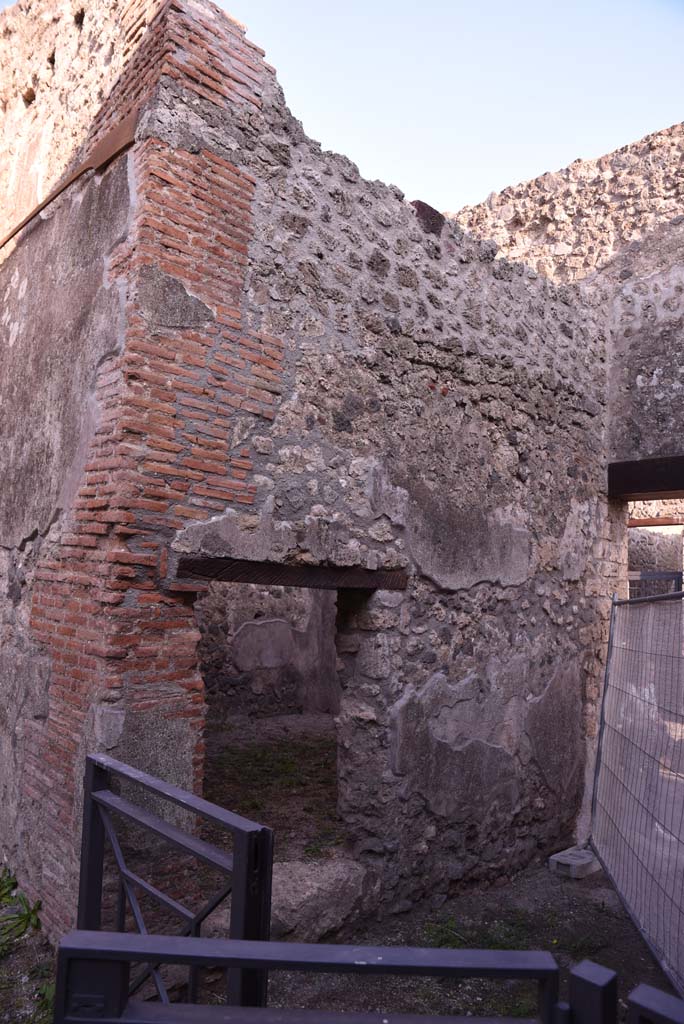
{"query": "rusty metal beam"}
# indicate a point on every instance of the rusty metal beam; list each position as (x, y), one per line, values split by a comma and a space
(114, 143)
(315, 577)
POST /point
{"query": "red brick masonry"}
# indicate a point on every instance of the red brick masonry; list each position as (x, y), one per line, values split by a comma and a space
(161, 454)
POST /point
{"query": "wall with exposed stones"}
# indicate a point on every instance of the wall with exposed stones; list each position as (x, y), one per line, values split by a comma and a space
(656, 549)
(308, 371)
(646, 313)
(571, 223)
(444, 412)
(669, 508)
(616, 224)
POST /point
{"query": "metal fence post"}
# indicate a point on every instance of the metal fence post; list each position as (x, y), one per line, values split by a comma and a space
(92, 850)
(250, 911)
(593, 994)
(91, 989)
(548, 998)
(647, 1004)
(602, 719)
(562, 1013)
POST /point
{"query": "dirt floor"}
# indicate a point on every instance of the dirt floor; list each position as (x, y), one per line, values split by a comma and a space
(281, 771)
(538, 910)
(575, 920)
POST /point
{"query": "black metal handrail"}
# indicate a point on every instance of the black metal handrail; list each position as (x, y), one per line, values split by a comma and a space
(92, 978)
(93, 967)
(247, 870)
(647, 1005)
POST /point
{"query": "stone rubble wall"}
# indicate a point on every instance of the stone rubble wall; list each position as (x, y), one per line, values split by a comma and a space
(656, 549)
(442, 411)
(646, 309)
(656, 509)
(571, 223)
(617, 224)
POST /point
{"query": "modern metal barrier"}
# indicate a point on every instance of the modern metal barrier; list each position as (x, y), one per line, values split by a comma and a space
(93, 973)
(638, 807)
(648, 1005)
(246, 871)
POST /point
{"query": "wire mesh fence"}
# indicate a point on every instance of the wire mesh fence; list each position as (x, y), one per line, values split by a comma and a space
(638, 813)
(649, 583)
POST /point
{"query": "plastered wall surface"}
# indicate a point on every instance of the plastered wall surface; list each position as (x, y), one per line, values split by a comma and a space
(307, 370)
(62, 321)
(267, 651)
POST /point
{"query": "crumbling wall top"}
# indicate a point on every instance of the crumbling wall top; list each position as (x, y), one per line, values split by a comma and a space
(572, 222)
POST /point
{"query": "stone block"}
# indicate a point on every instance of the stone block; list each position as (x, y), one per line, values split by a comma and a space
(575, 862)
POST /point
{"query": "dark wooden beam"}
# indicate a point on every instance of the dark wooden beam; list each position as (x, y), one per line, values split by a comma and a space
(647, 479)
(656, 521)
(114, 142)
(315, 577)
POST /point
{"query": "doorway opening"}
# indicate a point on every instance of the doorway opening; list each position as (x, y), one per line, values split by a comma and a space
(269, 663)
(655, 547)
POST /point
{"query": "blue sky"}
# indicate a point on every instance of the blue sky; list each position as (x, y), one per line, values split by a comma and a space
(453, 100)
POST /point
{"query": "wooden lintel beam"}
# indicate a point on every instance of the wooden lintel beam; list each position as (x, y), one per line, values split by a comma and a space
(647, 479)
(315, 577)
(114, 142)
(656, 521)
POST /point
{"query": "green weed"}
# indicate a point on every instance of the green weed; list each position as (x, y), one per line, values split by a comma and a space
(517, 931)
(17, 915)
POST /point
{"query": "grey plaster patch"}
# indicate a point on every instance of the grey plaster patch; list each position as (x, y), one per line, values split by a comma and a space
(432, 746)
(268, 650)
(458, 548)
(554, 727)
(165, 753)
(24, 682)
(109, 726)
(268, 643)
(164, 301)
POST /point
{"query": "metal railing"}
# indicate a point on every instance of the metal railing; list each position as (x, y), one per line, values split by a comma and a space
(651, 582)
(648, 1005)
(246, 871)
(93, 970)
(638, 806)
